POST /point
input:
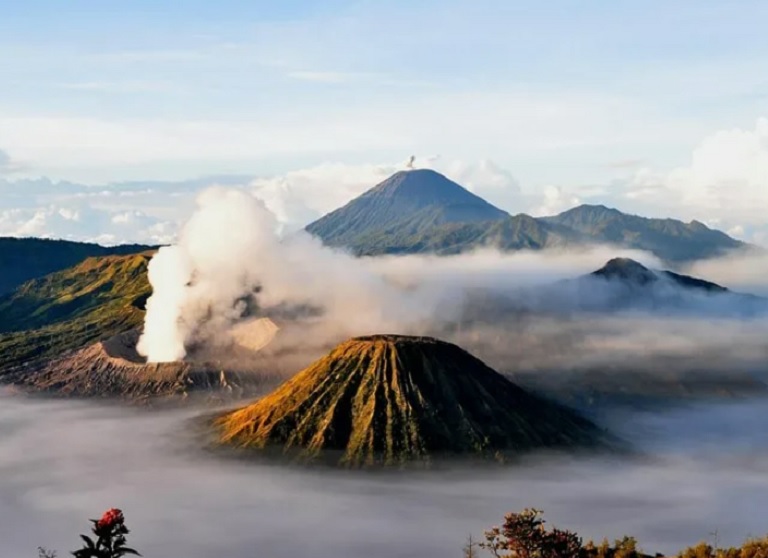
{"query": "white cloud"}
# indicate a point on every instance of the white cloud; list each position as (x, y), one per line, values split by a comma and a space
(554, 200)
(299, 197)
(7, 164)
(70, 144)
(86, 224)
(730, 166)
(486, 179)
(520, 124)
(5, 159)
(725, 183)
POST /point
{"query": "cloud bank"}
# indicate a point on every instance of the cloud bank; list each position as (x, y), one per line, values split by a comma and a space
(63, 462)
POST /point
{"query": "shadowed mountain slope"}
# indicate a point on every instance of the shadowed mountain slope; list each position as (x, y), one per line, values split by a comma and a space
(22, 259)
(624, 284)
(518, 232)
(401, 207)
(93, 300)
(630, 271)
(669, 239)
(391, 399)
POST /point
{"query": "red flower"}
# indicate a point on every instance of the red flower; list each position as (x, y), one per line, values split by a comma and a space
(110, 518)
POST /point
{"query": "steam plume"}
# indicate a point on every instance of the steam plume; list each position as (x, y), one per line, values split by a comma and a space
(229, 249)
(198, 281)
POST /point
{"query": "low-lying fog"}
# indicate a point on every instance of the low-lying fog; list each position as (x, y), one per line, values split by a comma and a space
(64, 462)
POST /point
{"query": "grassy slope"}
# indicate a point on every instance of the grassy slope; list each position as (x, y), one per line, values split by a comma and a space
(65, 310)
(22, 259)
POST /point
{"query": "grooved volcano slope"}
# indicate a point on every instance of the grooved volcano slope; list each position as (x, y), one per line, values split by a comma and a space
(389, 399)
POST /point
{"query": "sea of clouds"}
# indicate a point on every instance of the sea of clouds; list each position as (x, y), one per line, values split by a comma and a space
(62, 462)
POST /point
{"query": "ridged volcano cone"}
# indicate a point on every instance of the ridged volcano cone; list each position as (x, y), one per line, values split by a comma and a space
(388, 399)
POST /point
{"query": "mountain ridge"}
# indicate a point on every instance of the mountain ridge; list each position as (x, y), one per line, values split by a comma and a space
(672, 239)
(370, 228)
(22, 259)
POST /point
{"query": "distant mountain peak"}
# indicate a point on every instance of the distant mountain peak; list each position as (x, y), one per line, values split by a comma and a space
(588, 212)
(406, 203)
(595, 207)
(632, 272)
(698, 225)
(426, 186)
(626, 269)
(624, 263)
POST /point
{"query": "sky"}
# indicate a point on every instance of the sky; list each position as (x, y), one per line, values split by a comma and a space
(112, 115)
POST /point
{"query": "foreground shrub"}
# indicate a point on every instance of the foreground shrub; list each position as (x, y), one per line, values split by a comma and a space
(523, 535)
(621, 548)
(110, 532)
(109, 541)
(753, 548)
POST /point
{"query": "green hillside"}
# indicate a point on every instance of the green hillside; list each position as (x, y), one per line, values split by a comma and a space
(519, 232)
(670, 239)
(97, 298)
(22, 259)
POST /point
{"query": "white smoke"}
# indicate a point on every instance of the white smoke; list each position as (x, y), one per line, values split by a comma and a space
(163, 338)
(229, 249)
(217, 258)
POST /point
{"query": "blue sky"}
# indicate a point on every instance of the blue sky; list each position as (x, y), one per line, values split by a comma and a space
(559, 94)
